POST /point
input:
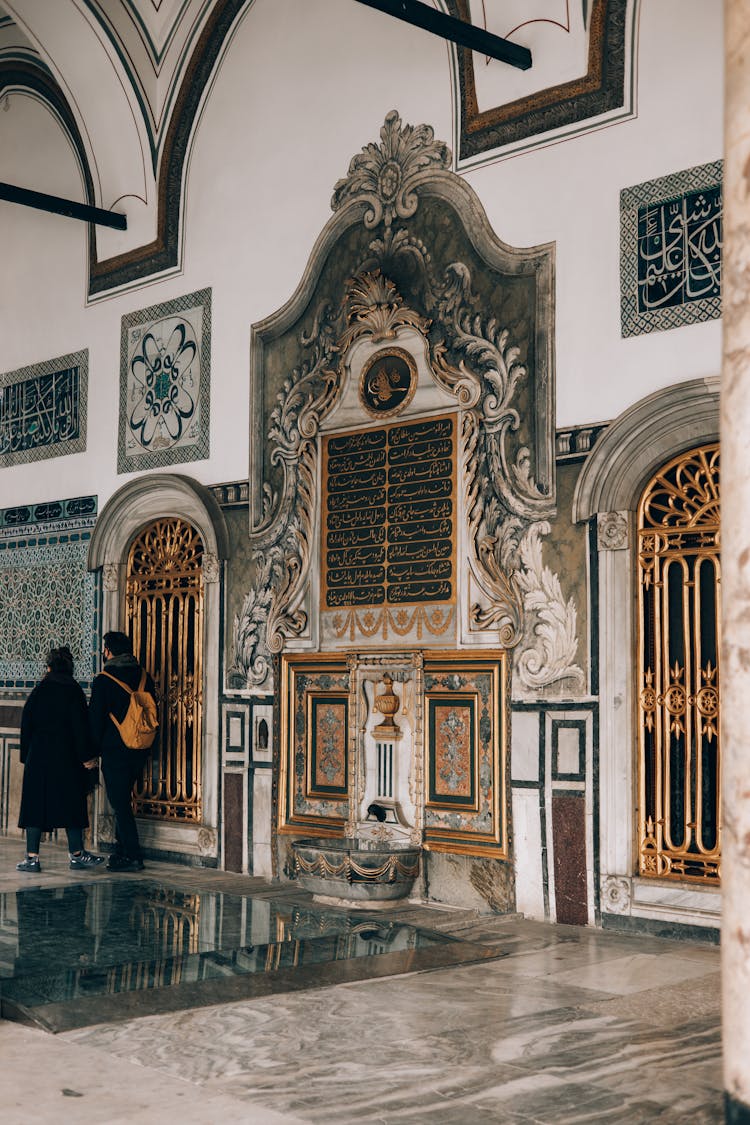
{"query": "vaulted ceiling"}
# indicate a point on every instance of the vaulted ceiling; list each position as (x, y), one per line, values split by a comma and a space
(125, 80)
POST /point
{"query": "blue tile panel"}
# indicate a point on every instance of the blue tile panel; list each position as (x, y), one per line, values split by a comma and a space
(49, 598)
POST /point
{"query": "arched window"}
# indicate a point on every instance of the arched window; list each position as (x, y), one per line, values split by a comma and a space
(679, 793)
(164, 613)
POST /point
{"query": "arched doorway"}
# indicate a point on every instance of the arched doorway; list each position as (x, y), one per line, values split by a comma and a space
(141, 532)
(632, 451)
(164, 611)
(679, 575)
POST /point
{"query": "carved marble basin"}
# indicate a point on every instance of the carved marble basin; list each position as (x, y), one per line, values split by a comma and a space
(352, 870)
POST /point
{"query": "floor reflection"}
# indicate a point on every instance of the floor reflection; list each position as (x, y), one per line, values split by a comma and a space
(111, 937)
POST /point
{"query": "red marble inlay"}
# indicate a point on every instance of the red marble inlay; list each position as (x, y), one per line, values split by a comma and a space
(569, 843)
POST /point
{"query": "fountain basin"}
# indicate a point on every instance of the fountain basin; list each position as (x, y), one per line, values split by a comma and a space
(356, 871)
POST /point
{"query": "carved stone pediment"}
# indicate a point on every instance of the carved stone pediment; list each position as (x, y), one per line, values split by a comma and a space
(471, 319)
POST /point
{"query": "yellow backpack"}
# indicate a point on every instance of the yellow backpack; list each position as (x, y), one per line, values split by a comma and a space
(138, 728)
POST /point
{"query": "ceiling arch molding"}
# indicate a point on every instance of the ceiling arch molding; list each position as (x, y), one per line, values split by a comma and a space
(116, 156)
(32, 76)
(163, 253)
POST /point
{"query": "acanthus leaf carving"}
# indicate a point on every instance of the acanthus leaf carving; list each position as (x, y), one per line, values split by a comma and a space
(282, 543)
(375, 308)
(488, 532)
(548, 652)
(385, 176)
(486, 350)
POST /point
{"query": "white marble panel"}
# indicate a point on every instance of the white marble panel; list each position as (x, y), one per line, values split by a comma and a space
(524, 746)
(262, 822)
(527, 852)
(568, 751)
(234, 739)
(262, 861)
(616, 721)
(699, 906)
(186, 839)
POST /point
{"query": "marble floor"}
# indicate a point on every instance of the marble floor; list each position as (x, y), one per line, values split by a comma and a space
(554, 1025)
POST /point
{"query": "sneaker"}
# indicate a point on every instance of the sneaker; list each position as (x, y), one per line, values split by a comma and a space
(31, 863)
(123, 863)
(84, 860)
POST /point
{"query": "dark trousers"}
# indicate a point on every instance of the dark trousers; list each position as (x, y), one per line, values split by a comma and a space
(34, 839)
(120, 772)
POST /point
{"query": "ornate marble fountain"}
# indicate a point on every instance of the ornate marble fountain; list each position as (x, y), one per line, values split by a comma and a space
(379, 861)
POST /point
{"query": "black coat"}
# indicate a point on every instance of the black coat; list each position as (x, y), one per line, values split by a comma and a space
(54, 745)
(107, 698)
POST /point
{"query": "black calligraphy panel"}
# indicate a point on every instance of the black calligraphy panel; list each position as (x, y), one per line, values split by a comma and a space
(679, 249)
(389, 515)
(38, 412)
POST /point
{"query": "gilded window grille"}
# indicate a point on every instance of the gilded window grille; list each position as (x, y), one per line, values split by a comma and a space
(679, 806)
(164, 614)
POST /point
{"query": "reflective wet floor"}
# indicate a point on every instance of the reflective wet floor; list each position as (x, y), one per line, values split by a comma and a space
(105, 948)
(569, 1025)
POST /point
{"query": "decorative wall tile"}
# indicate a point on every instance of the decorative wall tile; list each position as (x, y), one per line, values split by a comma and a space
(50, 597)
(165, 371)
(670, 250)
(62, 515)
(43, 409)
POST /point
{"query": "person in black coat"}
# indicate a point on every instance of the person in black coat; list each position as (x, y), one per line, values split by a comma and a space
(121, 766)
(56, 752)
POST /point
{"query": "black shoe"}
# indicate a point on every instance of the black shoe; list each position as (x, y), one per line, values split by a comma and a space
(31, 863)
(84, 860)
(123, 863)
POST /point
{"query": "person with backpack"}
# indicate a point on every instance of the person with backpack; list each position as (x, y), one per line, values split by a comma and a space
(123, 723)
(57, 760)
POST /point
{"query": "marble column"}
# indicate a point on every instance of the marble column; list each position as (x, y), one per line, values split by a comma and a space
(735, 527)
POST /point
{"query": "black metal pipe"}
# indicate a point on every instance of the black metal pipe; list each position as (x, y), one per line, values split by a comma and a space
(57, 206)
(457, 31)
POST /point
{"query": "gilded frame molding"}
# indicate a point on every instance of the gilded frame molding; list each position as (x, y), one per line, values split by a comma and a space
(291, 820)
(483, 832)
